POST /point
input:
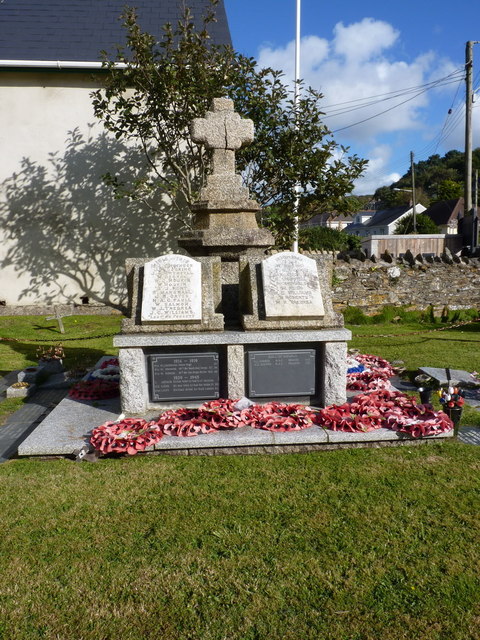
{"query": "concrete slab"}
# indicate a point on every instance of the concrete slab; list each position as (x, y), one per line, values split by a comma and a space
(457, 376)
(21, 423)
(66, 428)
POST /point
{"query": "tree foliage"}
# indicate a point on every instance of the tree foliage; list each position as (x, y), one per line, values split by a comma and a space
(424, 224)
(166, 84)
(437, 178)
(318, 238)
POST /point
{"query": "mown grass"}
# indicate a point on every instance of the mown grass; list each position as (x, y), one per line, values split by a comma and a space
(356, 544)
(86, 339)
(341, 545)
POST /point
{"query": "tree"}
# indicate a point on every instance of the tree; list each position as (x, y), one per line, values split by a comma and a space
(432, 176)
(449, 190)
(166, 84)
(424, 225)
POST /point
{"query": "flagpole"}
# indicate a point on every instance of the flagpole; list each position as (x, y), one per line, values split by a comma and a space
(296, 100)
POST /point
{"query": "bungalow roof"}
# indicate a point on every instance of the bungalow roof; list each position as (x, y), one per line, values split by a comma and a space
(77, 30)
(442, 212)
(387, 216)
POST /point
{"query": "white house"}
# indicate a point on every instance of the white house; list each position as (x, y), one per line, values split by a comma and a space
(382, 222)
(64, 236)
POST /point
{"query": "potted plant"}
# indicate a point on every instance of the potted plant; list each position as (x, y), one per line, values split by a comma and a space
(426, 384)
(452, 400)
(51, 358)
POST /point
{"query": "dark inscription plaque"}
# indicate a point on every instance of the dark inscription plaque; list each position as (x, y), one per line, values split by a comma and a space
(184, 376)
(281, 373)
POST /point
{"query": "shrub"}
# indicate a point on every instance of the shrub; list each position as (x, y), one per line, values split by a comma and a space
(318, 238)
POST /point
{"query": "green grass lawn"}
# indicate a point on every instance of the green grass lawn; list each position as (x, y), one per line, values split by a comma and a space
(353, 544)
(357, 544)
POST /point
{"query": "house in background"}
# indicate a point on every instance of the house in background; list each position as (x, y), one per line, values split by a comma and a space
(446, 214)
(330, 220)
(382, 222)
(54, 152)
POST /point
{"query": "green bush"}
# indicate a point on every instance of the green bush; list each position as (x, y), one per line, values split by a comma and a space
(398, 315)
(318, 238)
(354, 315)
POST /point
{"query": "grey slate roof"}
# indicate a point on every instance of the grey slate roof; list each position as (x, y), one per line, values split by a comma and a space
(441, 212)
(77, 30)
(386, 216)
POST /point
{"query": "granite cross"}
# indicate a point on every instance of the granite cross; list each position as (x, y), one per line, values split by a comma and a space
(222, 130)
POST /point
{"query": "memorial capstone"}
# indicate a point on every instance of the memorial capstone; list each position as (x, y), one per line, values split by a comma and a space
(172, 290)
(291, 287)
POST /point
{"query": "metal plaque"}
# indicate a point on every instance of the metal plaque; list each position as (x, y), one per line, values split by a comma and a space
(281, 373)
(184, 376)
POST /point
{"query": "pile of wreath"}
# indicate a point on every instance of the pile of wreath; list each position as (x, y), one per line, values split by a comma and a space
(379, 407)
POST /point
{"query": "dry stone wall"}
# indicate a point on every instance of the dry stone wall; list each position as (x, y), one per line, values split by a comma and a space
(412, 282)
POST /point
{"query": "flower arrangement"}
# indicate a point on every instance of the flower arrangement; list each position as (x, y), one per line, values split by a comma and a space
(110, 372)
(94, 390)
(112, 362)
(452, 397)
(129, 435)
(56, 352)
(20, 385)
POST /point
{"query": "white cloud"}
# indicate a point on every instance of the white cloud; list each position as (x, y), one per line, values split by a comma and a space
(359, 62)
(363, 40)
(377, 173)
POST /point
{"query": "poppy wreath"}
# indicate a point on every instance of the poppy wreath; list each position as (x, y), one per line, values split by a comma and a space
(211, 416)
(276, 416)
(376, 374)
(126, 436)
(94, 390)
(388, 409)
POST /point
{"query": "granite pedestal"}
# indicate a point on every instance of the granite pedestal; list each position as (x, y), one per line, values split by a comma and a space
(233, 348)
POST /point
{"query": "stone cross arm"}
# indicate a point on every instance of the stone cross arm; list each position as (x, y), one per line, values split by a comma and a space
(222, 128)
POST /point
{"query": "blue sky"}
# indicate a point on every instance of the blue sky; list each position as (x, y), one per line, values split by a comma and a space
(374, 53)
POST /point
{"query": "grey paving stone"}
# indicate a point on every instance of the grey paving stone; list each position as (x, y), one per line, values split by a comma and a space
(21, 423)
(66, 428)
(469, 435)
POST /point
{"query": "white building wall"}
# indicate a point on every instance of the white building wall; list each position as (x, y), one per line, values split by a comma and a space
(64, 235)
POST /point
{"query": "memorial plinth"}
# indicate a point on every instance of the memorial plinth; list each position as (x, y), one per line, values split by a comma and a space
(238, 351)
(229, 320)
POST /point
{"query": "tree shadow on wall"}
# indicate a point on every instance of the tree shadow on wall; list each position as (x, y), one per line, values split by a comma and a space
(60, 220)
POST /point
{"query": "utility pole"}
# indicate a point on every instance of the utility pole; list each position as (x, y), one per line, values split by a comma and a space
(475, 212)
(468, 137)
(412, 166)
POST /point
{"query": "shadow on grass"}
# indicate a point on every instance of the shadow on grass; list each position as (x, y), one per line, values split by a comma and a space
(74, 356)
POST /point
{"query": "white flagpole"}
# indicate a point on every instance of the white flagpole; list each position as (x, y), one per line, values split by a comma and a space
(296, 100)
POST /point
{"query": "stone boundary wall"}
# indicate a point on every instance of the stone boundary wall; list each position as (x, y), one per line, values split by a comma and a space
(415, 282)
(366, 283)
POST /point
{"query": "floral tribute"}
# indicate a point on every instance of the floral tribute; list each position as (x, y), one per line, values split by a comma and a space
(94, 390)
(380, 406)
(452, 397)
(110, 372)
(126, 436)
(388, 409)
(375, 374)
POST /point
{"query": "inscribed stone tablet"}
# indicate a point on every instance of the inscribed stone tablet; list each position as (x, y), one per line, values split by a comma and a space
(291, 287)
(172, 290)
